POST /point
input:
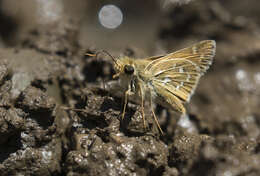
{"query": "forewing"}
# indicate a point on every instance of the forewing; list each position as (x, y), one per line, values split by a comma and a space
(180, 71)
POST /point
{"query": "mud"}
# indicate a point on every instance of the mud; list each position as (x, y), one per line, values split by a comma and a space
(44, 73)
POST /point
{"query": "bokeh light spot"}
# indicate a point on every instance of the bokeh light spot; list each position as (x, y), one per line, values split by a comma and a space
(110, 16)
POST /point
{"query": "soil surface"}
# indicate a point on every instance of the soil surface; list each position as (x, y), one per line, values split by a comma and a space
(44, 73)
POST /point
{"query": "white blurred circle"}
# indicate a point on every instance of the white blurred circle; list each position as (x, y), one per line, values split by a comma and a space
(110, 16)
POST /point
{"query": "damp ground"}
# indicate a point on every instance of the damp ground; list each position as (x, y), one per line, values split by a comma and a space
(43, 71)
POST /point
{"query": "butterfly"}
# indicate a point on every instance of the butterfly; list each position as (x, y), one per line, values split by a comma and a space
(169, 80)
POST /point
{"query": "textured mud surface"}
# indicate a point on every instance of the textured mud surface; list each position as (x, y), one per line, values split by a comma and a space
(43, 71)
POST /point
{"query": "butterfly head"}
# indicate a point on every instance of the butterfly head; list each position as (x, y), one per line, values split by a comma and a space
(124, 67)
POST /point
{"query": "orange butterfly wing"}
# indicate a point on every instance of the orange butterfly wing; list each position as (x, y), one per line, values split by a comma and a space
(176, 75)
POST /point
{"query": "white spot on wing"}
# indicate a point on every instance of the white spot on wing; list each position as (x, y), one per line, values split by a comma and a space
(188, 77)
(179, 86)
(194, 50)
(197, 68)
(181, 70)
(166, 80)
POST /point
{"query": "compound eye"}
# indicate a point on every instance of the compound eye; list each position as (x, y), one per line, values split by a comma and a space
(128, 69)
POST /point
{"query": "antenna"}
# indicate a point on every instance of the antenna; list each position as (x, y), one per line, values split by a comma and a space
(100, 52)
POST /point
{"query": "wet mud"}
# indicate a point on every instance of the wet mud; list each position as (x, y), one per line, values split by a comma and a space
(44, 74)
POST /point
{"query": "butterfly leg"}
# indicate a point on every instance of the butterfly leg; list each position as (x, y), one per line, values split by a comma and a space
(125, 103)
(142, 108)
(154, 116)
